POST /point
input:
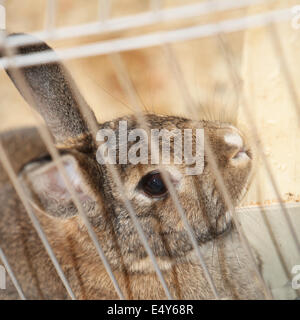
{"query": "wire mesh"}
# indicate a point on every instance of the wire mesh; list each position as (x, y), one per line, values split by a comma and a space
(6, 164)
(212, 162)
(45, 134)
(12, 275)
(113, 48)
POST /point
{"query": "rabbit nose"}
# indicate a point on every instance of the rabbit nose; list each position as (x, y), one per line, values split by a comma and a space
(235, 140)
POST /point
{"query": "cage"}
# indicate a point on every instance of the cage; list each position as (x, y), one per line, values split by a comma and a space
(224, 60)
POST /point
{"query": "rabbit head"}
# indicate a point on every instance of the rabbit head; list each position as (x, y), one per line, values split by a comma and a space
(52, 92)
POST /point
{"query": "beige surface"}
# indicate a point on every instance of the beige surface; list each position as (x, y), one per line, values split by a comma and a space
(203, 68)
(269, 98)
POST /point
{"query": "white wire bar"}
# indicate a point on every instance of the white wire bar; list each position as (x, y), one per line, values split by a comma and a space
(12, 275)
(135, 21)
(104, 9)
(54, 153)
(128, 87)
(46, 136)
(277, 45)
(155, 5)
(190, 105)
(140, 231)
(259, 145)
(113, 171)
(50, 16)
(232, 211)
(139, 20)
(139, 42)
(22, 195)
(93, 126)
(276, 245)
(152, 39)
(235, 80)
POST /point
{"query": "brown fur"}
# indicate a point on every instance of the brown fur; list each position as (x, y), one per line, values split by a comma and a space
(199, 196)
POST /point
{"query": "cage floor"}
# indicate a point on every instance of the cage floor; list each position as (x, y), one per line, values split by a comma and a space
(275, 246)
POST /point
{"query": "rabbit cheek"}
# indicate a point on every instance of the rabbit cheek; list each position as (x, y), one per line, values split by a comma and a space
(237, 180)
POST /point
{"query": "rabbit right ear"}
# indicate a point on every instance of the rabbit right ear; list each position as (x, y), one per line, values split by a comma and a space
(53, 93)
(48, 192)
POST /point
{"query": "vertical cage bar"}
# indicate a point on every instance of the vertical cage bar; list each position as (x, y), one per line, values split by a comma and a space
(278, 49)
(104, 10)
(45, 135)
(152, 39)
(22, 195)
(276, 245)
(50, 15)
(271, 176)
(156, 5)
(12, 275)
(259, 146)
(113, 171)
(190, 104)
(138, 20)
(127, 85)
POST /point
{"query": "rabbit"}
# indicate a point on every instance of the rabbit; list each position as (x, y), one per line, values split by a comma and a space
(56, 98)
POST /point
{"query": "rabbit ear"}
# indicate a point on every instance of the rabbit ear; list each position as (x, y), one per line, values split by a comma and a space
(52, 89)
(48, 191)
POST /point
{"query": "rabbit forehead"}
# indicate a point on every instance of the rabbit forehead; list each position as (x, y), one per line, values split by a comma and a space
(229, 136)
(153, 121)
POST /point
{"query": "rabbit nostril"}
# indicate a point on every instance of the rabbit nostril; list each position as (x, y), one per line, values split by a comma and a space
(241, 154)
(235, 141)
(153, 185)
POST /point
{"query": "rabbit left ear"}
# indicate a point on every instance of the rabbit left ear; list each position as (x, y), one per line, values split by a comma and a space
(53, 93)
(49, 192)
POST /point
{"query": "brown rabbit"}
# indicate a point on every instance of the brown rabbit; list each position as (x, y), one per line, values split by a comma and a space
(203, 204)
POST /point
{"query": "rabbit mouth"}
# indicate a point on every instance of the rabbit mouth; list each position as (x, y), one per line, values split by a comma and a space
(183, 253)
(223, 226)
(178, 244)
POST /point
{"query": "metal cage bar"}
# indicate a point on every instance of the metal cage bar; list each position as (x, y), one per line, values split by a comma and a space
(138, 20)
(50, 16)
(104, 9)
(113, 171)
(22, 195)
(278, 49)
(154, 39)
(190, 105)
(12, 275)
(45, 135)
(127, 85)
(48, 142)
(235, 79)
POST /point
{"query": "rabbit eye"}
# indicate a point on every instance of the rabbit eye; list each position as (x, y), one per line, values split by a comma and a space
(153, 185)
